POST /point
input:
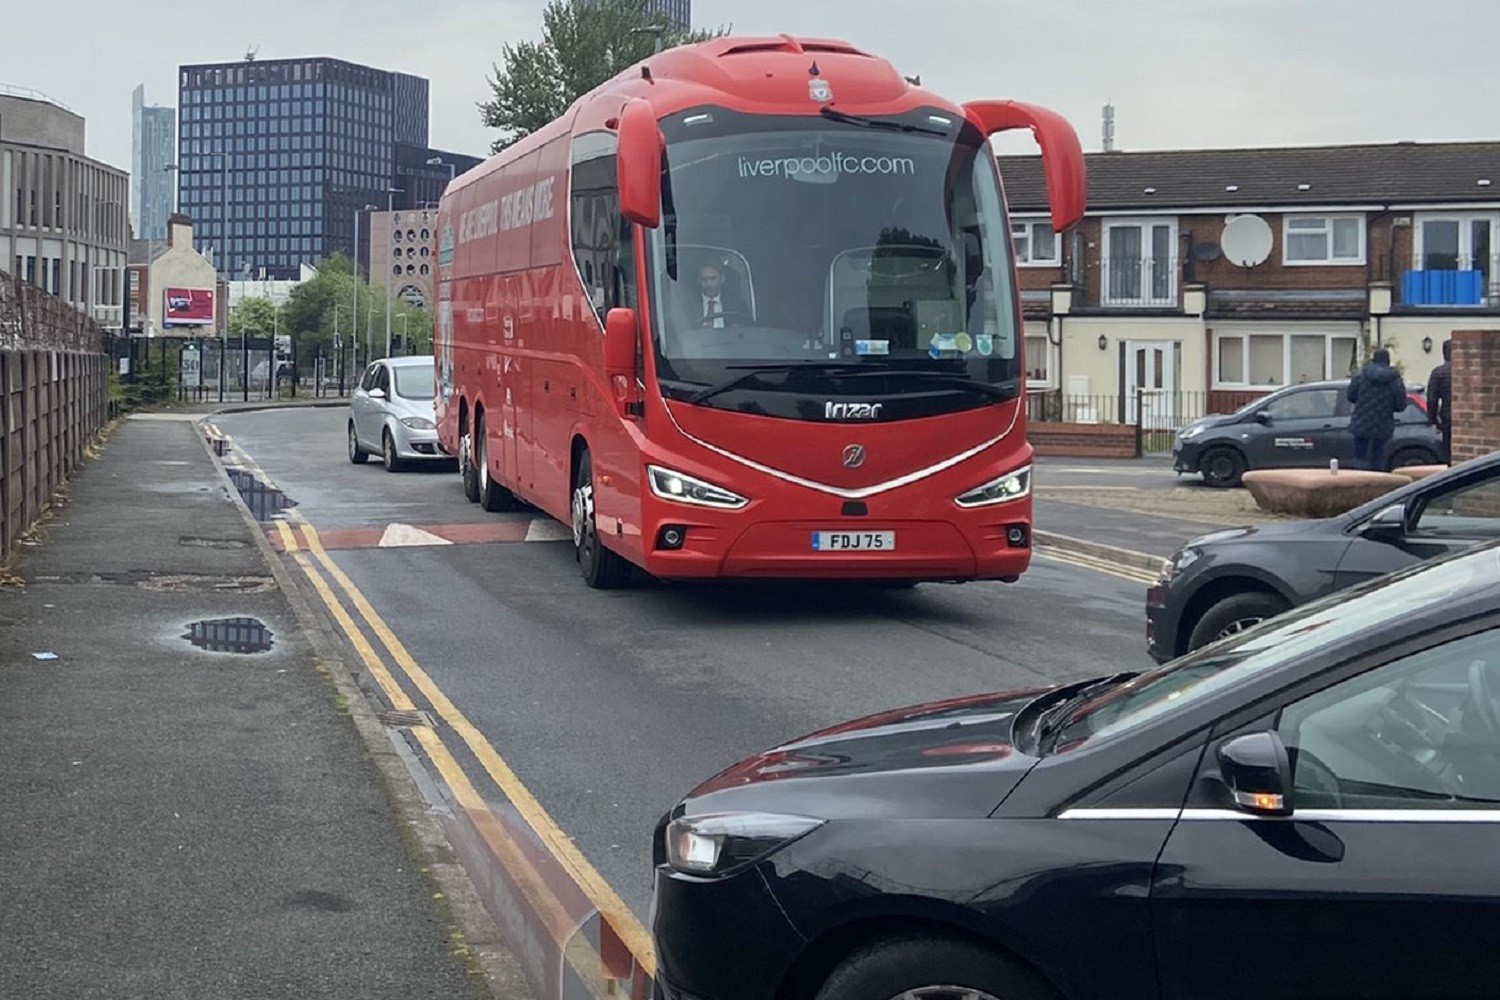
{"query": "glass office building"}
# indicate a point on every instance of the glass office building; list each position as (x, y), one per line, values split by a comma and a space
(277, 157)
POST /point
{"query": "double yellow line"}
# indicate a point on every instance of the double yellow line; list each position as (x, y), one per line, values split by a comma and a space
(301, 542)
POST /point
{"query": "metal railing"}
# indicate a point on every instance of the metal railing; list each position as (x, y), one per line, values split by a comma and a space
(1156, 414)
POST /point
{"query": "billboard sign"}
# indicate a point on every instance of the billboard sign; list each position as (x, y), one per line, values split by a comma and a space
(189, 307)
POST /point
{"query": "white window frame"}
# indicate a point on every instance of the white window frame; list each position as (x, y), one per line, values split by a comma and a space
(1045, 336)
(1145, 224)
(1243, 336)
(1329, 260)
(1030, 224)
(1465, 222)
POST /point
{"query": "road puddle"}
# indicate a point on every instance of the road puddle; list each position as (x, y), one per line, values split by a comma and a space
(265, 502)
(230, 635)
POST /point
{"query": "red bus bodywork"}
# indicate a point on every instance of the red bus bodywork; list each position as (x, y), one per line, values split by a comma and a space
(522, 350)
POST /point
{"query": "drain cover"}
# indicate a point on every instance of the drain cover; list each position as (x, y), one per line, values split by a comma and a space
(230, 635)
(404, 719)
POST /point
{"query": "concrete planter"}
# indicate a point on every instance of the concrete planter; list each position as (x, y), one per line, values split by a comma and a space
(1415, 472)
(1314, 493)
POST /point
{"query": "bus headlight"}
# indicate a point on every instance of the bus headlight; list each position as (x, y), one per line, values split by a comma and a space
(1011, 486)
(681, 488)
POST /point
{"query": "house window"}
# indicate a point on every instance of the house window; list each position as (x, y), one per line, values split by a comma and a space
(1323, 239)
(1036, 244)
(1139, 267)
(1038, 361)
(1272, 360)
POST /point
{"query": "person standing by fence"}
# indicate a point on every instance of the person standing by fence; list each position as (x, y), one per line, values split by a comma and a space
(1378, 394)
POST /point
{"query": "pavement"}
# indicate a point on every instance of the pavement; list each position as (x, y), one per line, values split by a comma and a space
(185, 822)
(192, 822)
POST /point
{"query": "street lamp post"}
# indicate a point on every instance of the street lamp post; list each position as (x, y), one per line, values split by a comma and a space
(390, 240)
(354, 306)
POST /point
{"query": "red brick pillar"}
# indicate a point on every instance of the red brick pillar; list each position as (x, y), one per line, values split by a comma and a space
(1476, 393)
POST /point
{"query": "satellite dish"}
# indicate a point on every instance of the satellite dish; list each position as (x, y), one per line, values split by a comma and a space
(1247, 240)
(1207, 253)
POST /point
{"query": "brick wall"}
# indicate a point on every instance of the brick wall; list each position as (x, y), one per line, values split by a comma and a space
(1082, 440)
(1476, 393)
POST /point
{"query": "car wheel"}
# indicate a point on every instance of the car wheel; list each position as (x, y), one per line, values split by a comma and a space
(1235, 614)
(492, 496)
(1222, 467)
(357, 455)
(388, 454)
(601, 568)
(467, 468)
(931, 969)
(1413, 456)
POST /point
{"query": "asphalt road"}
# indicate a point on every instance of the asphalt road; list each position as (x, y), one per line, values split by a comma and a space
(611, 705)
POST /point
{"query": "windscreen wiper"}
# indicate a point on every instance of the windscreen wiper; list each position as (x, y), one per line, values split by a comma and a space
(1055, 719)
(751, 371)
(863, 122)
(987, 388)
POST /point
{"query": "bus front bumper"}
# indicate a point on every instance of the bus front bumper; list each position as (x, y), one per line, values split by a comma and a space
(982, 544)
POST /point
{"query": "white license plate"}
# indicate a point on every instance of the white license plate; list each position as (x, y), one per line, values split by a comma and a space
(854, 541)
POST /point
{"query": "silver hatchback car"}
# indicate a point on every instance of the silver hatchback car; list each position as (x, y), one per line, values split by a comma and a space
(391, 413)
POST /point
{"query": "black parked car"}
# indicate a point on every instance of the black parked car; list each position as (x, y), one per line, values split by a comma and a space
(1308, 809)
(1226, 581)
(1296, 427)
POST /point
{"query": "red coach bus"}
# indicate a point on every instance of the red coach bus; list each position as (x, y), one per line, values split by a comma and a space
(750, 310)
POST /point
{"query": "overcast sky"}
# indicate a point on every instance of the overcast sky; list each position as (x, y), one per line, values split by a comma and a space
(1181, 73)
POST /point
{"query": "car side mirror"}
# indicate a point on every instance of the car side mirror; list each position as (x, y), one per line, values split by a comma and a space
(1388, 525)
(622, 337)
(1258, 771)
(1262, 417)
(377, 393)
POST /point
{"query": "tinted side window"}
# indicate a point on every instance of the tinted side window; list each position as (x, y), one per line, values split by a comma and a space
(1472, 510)
(368, 381)
(1307, 404)
(383, 379)
(1412, 734)
(602, 239)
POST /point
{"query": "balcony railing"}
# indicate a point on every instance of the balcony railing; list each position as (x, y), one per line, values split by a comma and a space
(1144, 282)
(1435, 280)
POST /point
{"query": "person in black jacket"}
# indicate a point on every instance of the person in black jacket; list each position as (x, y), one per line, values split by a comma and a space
(1378, 394)
(1440, 400)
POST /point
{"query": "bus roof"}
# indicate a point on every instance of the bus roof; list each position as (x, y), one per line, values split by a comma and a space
(772, 74)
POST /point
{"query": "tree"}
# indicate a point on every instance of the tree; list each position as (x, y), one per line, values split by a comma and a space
(584, 43)
(254, 318)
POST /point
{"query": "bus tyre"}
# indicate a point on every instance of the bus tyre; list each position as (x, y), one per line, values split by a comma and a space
(467, 469)
(601, 568)
(492, 496)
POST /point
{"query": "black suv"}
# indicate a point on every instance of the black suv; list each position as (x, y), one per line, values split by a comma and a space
(1301, 426)
(1227, 581)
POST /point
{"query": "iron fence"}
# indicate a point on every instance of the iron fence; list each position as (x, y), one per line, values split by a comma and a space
(1156, 414)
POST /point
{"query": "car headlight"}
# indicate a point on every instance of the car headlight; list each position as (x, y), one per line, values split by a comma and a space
(1181, 561)
(722, 843)
(1011, 486)
(670, 485)
(418, 423)
(1189, 433)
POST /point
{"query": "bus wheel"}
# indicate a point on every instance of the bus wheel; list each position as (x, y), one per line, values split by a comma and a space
(492, 496)
(601, 568)
(467, 469)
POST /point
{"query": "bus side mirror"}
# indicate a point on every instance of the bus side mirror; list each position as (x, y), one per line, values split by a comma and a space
(638, 162)
(1062, 154)
(622, 334)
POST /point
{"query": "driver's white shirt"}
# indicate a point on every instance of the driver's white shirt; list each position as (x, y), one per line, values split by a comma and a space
(715, 303)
